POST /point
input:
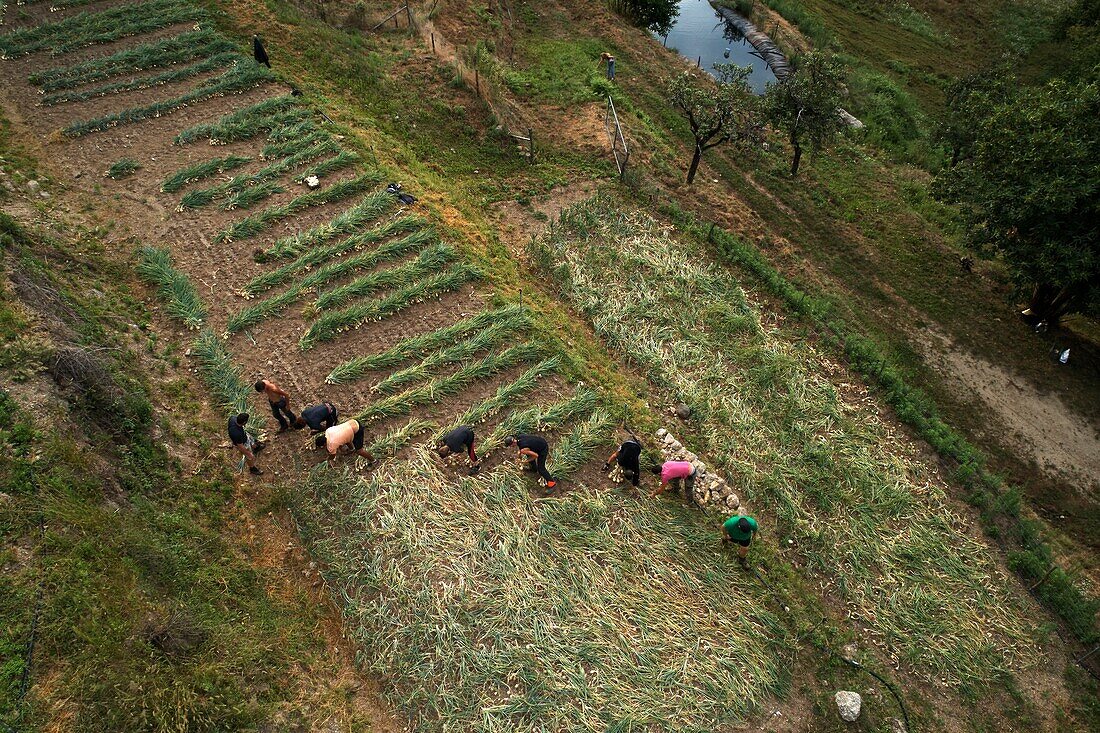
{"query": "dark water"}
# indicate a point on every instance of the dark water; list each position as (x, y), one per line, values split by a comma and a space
(701, 31)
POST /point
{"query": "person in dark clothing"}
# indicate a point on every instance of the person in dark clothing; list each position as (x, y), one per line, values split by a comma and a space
(318, 417)
(280, 403)
(535, 449)
(459, 438)
(259, 53)
(628, 455)
(245, 443)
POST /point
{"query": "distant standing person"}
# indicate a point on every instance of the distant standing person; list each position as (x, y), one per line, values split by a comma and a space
(607, 58)
(628, 455)
(245, 443)
(679, 471)
(536, 450)
(259, 52)
(317, 417)
(739, 529)
(279, 400)
(458, 439)
(348, 433)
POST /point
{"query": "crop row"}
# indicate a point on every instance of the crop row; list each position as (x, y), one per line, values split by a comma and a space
(202, 171)
(212, 63)
(174, 288)
(87, 29)
(262, 117)
(506, 394)
(347, 222)
(460, 351)
(257, 223)
(331, 325)
(156, 54)
(241, 76)
(512, 316)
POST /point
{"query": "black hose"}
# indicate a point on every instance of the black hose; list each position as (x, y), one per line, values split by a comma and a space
(857, 665)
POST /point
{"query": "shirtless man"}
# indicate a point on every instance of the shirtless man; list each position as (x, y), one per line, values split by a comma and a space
(348, 433)
(279, 400)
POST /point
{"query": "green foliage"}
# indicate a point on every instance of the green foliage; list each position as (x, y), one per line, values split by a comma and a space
(87, 29)
(512, 317)
(655, 15)
(804, 105)
(252, 195)
(332, 324)
(173, 287)
(893, 120)
(257, 223)
(396, 439)
(438, 388)
(343, 159)
(201, 171)
(506, 395)
(1044, 224)
(809, 25)
(123, 168)
(541, 418)
(367, 210)
(241, 76)
(245, 123)
(577, 446)
(717, 114)
(163, 52)
(219, 61)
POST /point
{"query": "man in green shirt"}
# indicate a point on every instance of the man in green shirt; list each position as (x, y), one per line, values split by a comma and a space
(740, 529)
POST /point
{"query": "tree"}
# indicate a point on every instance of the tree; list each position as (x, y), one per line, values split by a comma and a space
(1030, 192)
(717, 114)
(969, 99)
(655, 15)
(805, 104)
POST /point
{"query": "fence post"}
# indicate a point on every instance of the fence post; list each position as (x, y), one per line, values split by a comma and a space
(433, 42)
(408, 15)
(530, 145)
(477, 81)
(699, 63)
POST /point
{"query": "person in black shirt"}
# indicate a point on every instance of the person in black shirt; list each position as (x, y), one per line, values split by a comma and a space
(535, 449)
(259, 52)
(318, 417)
(244, 442)
(459, 438)
(628, 455)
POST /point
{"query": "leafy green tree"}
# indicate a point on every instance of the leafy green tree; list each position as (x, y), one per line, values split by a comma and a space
(969, 99)
(717, 114)
(1030, 191)
(655, 15)
(805, 105)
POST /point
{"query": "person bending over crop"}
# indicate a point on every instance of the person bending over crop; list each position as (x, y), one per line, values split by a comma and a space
(739, 529)
(627, 455)
(458, 439)
(279, 401)
(348, 433)
(681, 472)
(535, 449)
(317, 417)
(245, 443)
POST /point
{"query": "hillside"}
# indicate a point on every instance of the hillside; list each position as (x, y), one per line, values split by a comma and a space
(172, 219)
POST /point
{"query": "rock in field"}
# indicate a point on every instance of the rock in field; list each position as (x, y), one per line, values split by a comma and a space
(849, 704)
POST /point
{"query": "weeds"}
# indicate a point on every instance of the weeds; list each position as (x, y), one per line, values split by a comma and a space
(480, 341)
(331, 325)
(201, 171)
(123, 169)
(241, 76)
(278, 276)
(245, 123)
(512, 316)
(201, 67)
(403, 402)
(165, 52)
(431, 259)
(367, 210)
(173, 287)
(87, 29)
(257, 223)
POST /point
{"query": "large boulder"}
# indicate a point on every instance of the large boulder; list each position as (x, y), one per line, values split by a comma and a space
(849, 704)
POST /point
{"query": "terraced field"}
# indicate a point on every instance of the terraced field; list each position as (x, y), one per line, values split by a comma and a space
(483, 604)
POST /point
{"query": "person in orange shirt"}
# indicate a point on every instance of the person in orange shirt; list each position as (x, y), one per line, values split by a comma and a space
(348, 433)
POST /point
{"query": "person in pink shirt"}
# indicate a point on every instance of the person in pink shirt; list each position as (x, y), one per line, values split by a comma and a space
(679, 471)
(348, 433)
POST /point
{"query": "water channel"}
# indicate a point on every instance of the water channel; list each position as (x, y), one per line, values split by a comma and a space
(700, 32)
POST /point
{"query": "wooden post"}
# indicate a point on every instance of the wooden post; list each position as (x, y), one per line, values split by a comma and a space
(408, 15)
(1086, 656)
(530, 146)
(433, 42)
(699, 63)
(477, 81)
(1042, 579)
